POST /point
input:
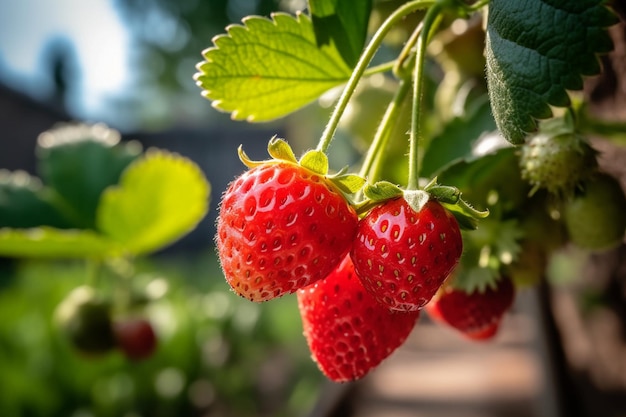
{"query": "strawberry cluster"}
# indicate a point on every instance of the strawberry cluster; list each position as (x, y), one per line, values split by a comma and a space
(361, 279)
(85, 320)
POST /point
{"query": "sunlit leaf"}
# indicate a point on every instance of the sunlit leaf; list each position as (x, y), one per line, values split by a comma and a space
(267, 68)
(160, 198)
(48, 242)
(341, 25)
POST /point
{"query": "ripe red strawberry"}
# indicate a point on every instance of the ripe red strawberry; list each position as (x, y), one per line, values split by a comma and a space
(401, 256)
(281, 227)
(349, 333)
(477, 315)
(135, 338)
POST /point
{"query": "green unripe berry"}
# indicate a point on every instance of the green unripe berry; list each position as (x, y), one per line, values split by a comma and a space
(85, 320)
(557, 163)
(596, 217)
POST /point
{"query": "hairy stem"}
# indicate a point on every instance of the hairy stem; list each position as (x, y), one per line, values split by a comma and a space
(361, 66)
(371, 164)
(429, 25)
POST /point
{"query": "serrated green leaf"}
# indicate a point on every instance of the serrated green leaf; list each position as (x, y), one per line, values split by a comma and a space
(341, 25)
(268, 68)
(160, 198)
(535, 51)
(316, 161)
(47, 242)
(77, 162)
(24, 202)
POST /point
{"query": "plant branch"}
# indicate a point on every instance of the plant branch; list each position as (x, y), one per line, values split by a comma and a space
(362, 64)
(372, 162)
(430, 22)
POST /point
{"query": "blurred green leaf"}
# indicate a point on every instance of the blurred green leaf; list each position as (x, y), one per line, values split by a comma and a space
(47, 242)
(267, 68)
(24, 202)
(455, 140)
(160, 198)
(341, 26)
(495, 175)
(78, 162)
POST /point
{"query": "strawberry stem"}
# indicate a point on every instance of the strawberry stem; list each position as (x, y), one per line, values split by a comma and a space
(372, 163)
(430, 22)
(92, 267)
(361, 66)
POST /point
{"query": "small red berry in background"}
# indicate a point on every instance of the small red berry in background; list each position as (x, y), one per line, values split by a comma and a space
(475, 315)
(135, 338)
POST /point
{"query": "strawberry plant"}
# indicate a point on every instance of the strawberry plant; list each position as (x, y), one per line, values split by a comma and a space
(454, 176)
(106, 202)
(459, 189)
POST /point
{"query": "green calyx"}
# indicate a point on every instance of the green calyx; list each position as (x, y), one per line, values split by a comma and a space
(449, 197)
(313, 160)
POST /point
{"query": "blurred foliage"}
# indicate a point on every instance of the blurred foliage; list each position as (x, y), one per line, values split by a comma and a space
(167, 38)
(218, 355)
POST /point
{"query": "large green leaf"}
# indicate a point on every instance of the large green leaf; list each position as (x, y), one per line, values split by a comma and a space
(267, 68)
(48, 242)
(77, 162)
(341, 25)
(536, 50)
(160, 198)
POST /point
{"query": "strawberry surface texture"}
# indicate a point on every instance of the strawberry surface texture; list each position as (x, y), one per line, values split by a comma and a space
(281, 227)
(402, 257)
(348, 332)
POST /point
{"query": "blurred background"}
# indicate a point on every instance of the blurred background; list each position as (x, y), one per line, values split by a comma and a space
(129, 64)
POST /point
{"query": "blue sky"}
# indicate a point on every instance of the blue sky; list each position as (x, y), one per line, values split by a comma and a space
(99, 39)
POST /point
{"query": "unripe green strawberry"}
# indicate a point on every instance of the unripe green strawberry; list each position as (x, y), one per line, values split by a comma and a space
(557, 163)
(596, 217)
(84, 319)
